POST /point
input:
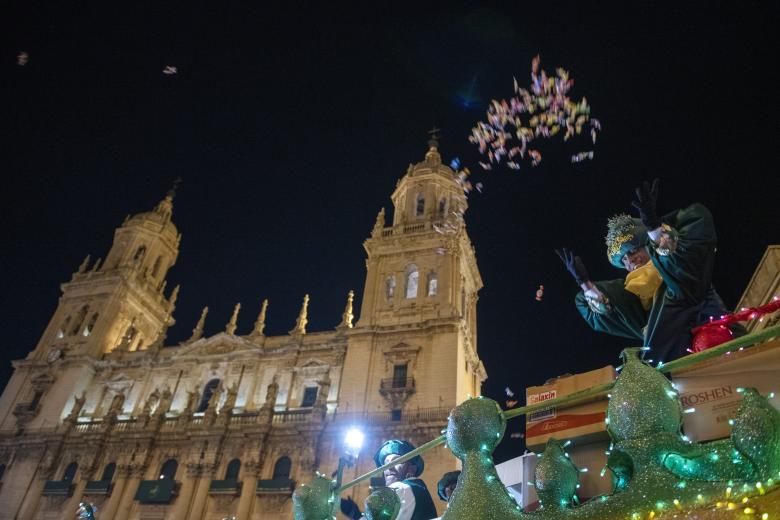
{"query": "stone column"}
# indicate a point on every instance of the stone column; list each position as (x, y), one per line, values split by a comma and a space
(248, 486)
(134, 476)
(182, 505)
(201, 494)
(110, 507)
(73, 502)
(32, 498)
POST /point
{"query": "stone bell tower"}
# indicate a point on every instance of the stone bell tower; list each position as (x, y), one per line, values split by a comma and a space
(417, 333)
(112, 306)
(119, 302)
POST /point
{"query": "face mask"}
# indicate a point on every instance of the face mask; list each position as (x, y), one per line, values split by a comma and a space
(643, 282)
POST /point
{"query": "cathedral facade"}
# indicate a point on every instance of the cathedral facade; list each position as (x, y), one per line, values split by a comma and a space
(104, 410)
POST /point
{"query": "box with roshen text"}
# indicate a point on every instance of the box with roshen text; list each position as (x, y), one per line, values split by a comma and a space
(709, 390)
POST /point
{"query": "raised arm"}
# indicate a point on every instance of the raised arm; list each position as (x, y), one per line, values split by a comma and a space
(682, 245)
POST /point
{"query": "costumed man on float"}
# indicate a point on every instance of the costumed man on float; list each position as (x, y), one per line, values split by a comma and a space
(668, 289)
(404, 479)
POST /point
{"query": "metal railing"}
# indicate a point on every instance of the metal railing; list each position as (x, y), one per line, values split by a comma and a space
(291, 416)
(418, 416)
(397, 383)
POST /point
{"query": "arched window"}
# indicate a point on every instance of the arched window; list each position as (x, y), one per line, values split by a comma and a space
(412, 280)
(139, 254)
(208, 391)
(168, 469)
(433, 284)
(390, 287)
(64, 329)
(156, 267)
(80, 317)
(70, 472)
(420, 207)
(108, 472)
(282, 467)
(442, 207)
(90, 324)
(231, 473)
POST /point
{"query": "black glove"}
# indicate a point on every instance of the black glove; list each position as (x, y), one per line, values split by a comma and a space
(574, 265)
(647, 195)
(350, 508)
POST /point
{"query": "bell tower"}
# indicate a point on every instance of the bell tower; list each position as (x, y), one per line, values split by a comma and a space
(423, 266)
(416, 339)
(119, 302)
(106, 308)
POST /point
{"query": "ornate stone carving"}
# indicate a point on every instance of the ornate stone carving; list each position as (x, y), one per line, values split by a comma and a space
(78, 404)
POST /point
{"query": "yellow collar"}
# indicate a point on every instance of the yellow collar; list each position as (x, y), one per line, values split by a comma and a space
(643, 282)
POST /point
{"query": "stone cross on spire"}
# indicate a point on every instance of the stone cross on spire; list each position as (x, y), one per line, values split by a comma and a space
(231, 326)
(174, 187)
(197, 332)
(260, 323)
(433, 146)
(347, 317)
(300, 323)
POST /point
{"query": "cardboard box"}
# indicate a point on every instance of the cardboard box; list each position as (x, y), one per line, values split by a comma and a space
(583, 421)
(711, 388)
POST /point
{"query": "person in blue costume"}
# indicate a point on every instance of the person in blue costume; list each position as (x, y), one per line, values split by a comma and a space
(447, 484)
(404, 479)
(668, 289)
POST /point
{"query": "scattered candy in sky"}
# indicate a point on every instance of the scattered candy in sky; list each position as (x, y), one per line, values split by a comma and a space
(581, 156)
(170, 71)
(542, 111)
(451, 220)
(540, 293)
(509, 392)
(511, 403)
(22, 58)
(516, 435)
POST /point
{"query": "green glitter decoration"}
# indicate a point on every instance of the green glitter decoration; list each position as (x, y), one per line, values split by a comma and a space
(756, 434)
(314, 501)
(656, 471)
(474, 429)
(556, 478)
(382, 504)
(629, 416)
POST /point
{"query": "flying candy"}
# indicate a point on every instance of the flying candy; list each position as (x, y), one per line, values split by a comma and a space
(582, 156)
(540, 293)
(22, 58)
(170, 71)
(544, 110)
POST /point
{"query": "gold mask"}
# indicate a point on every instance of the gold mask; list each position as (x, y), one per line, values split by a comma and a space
(644, 281)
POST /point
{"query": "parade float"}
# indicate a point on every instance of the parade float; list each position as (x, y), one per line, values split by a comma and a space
(656, 471)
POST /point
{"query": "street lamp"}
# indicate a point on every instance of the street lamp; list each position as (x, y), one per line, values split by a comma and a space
(353, 441)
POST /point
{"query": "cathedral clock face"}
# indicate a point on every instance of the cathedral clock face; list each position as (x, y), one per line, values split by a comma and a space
(54, 355)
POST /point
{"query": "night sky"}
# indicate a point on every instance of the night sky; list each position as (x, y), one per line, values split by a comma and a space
(291, 126)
